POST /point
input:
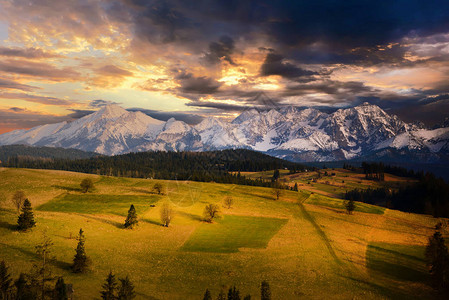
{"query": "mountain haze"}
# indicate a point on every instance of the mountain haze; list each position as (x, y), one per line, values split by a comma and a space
(290, 133)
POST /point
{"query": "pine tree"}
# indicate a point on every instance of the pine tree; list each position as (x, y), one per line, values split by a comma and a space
(437, 256)
(26, 218)
(295, 188)
(109, 288)
(22, 287)
(131, 219)
(221, 295)
(247, 297)
(265, 292)
(60, 292)
(5, 281)
(80, 261)
(126, 291)
(207, 295)
(233, 294)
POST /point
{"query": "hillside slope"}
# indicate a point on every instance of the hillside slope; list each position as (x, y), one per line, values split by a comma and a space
(304, 244)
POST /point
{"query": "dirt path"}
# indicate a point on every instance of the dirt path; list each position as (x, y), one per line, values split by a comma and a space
(320, 232)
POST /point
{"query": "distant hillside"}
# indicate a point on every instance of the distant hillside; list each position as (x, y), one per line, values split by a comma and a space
(42, 152)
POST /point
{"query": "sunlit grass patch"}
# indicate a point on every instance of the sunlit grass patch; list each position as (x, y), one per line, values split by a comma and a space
(339, 204)
(99, 204)
(234, 232)
(399, 262)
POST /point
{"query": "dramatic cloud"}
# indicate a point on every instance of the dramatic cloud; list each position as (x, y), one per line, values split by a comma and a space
(218, 56)
(38, 69)
(36, 98)
(221, 50)
(274, 65)
(26, 53)
(10, 84)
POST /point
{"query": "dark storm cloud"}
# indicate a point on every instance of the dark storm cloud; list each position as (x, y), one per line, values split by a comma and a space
(100, 103)
(337, 89)
(291, 26)
(222, 49)
(79, 113)
(26, 53)
(218, 105)
(274, 65)
(12, 85)
(189, 118)
(191, 84)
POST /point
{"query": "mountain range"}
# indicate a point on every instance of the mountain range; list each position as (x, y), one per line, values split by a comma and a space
(288, 132)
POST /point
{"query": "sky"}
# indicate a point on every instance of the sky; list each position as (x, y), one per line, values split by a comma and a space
(60, 60)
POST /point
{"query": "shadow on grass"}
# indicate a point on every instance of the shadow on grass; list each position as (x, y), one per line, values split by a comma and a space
(389, 293)
(152, 222)
(33, 255)
(106, 221)
(396, 264)
(190, 216)
(67, 188)
(257, 195)
(9, 226)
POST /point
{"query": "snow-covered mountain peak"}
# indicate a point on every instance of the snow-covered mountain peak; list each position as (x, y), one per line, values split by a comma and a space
(297, 134)
(245, 116)
(111, 111)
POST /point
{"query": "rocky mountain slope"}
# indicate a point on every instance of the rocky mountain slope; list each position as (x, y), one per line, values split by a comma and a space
(289, 132)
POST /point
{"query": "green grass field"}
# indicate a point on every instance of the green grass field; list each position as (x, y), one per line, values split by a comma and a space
(305, 244)
(233, 232)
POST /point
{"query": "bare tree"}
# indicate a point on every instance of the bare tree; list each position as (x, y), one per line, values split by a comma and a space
(167, 214)
(211, 211)
(86, 185)
(158, 188)
(228, 201)
(278, 191)
(17, 199)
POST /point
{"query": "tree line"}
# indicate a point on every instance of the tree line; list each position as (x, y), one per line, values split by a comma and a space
(214, 166)
(429, 195)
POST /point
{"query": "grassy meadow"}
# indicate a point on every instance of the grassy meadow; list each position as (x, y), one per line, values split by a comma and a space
(304, 245)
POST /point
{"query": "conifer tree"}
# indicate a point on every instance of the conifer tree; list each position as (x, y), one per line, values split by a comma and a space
(126, 291)
(437, 256)
(5, 281)
(22, 287)
(109, 288)
(233, 294)
(80, 261)
(295, 188)
(207, 295)
(247, 297)
(265, 292)
(60, 292)
(131, 219)
(26, 218)
(221, 295)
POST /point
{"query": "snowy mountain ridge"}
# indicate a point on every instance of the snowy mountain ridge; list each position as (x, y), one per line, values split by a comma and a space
(289, 132)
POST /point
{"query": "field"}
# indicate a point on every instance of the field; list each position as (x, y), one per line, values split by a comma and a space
(305, 245)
